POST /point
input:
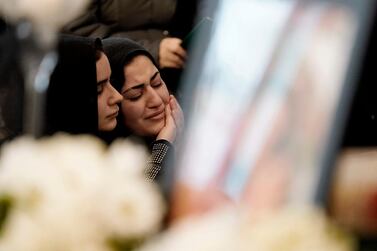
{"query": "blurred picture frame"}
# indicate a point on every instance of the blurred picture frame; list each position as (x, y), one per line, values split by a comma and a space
(268, 105)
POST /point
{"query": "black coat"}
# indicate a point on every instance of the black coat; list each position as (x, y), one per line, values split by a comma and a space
(144, 21)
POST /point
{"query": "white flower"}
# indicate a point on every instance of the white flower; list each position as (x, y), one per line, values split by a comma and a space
(124, 153)
(51, 166)
(289, 229)
(133, 212)
(213, 232)
(294, 229)
(67, 195)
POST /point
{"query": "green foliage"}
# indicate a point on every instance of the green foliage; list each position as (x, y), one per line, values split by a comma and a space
(5, 205)
(124, 244)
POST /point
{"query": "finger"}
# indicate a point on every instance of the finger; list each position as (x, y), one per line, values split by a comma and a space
(167, 112)
(176, 48)
(173, 103)
(172, 61)
(171, 123)
(177, 112)
(169, 120)
(179, 51)
(168, 64)
(177, 116)
(175, 58)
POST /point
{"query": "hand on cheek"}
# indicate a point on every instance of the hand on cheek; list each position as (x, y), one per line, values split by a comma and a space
(177, 114)
(169, 131)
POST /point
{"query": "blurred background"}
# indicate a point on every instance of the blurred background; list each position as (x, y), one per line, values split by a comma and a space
(278, 96)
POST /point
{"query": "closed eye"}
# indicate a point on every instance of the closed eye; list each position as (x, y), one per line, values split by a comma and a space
(155, 85)
(134, 98)
(133, 94)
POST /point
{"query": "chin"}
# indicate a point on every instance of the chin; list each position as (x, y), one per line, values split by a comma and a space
(153, 131)
(108, 126)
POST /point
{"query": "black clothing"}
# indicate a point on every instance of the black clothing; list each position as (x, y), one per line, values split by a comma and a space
(145, 21)
(160, 150)
(120, 52)
(159, 163)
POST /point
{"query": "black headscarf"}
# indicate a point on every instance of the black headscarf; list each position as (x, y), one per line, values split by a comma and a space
(71, 104)
(120, 52)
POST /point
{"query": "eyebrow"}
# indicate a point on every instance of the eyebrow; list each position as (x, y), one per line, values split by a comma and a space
(141, 85)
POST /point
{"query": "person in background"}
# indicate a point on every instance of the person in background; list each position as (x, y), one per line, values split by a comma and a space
(157, 25)
(147, 108)
(80, 98)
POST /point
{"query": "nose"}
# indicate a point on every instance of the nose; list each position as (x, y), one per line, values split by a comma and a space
(153, 98)
(115, 97)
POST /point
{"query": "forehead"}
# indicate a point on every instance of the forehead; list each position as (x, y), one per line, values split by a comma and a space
(139, 70)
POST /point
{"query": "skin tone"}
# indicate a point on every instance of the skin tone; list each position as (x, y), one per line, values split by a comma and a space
(147, 107)
(171, 54)
(108, 96)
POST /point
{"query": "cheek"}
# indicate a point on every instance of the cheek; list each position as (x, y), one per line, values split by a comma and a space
(131, 111)
(164, 94)
(101, 104)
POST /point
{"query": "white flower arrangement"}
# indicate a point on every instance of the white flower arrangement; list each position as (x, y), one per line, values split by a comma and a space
(212, 232)
(70, 193)
(295, 229)
(291, 229)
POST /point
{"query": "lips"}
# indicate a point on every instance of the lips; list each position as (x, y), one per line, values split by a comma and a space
(113, 115)
(156, 115)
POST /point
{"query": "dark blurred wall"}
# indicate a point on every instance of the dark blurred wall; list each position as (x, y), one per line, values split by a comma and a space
(11, 84)
(361, 128)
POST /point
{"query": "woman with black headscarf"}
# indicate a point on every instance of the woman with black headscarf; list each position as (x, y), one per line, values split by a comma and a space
(80, 98)
(147, 109)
